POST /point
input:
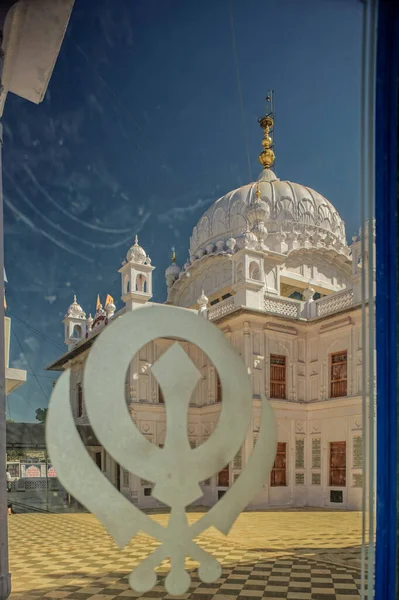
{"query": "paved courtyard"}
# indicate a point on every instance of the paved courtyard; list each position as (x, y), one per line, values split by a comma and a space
(304, 555)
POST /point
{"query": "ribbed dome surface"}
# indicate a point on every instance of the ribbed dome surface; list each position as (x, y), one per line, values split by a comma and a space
(292, 208)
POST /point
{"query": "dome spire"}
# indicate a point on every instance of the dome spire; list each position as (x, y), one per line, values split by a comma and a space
(173, 272)
(267, 157)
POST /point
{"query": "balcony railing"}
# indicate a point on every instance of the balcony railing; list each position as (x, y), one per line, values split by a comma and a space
(221, 308)
(334, 303)
(293, 309)
(283, 307)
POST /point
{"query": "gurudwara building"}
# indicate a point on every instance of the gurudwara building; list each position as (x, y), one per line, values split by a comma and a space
(269, 265)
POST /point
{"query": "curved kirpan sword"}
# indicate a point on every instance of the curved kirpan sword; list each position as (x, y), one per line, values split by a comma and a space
(123, 520)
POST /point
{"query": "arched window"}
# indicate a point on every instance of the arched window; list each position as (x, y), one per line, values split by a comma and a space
(254, 272)
(239, 273)
(141, 283)
(296, 295)
(127, 284)
(76, 332)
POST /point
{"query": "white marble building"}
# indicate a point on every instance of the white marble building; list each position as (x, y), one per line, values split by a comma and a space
(270, 266)
(14, 377)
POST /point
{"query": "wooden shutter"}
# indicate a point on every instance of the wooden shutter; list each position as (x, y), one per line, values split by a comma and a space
(338, 464)
(224, 477)
(277, 376)
(339, 374)
(278, 476)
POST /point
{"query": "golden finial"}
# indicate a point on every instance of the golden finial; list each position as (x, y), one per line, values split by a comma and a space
(267, 157)
(173, 255)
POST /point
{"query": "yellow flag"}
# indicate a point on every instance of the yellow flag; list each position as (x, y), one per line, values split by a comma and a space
(98, 302)
(109, 299)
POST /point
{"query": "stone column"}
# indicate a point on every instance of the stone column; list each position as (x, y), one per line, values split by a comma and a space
(248, 360)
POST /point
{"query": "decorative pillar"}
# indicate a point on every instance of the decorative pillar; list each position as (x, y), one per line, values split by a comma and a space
(247, 356)
(247, 350)
(350, 361)
(267, 365)
(324, 380)
(292, 395)
(203, 305)
(309, 306)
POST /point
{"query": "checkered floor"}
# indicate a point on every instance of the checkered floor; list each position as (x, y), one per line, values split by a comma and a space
(71, 556)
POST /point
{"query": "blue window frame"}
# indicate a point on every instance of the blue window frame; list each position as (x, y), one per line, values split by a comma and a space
(386, 145)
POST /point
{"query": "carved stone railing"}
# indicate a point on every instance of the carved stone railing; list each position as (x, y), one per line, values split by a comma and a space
(283, 307)
(334, 303)
(221, 308)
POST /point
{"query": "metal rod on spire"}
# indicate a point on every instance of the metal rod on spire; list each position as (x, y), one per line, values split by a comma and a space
(267, 156)
(273, 114)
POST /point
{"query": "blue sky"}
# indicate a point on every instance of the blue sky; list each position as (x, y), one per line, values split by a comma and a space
(141, 130)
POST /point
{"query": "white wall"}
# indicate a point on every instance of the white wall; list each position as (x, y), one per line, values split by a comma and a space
(307, 413)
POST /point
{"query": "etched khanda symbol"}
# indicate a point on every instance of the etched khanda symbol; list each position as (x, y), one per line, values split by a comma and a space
(176, 469)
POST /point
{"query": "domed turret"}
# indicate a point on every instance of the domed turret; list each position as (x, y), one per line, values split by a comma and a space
(136, 253)
(110, 306)
(202, 302)
(75, 310)
(89, 323)
(74, 324)
(172, 273)
(136, 276)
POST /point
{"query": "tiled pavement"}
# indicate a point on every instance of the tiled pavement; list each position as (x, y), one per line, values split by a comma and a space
(304, 555)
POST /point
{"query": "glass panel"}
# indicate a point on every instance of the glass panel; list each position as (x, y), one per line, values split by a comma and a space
(139, 148)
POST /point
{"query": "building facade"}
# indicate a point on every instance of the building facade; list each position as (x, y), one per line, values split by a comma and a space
(269, 264)
(14, 377)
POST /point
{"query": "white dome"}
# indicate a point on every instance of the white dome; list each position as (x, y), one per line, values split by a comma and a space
(173, 269)
(75, 310)
(292, 211)
(136, 253)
